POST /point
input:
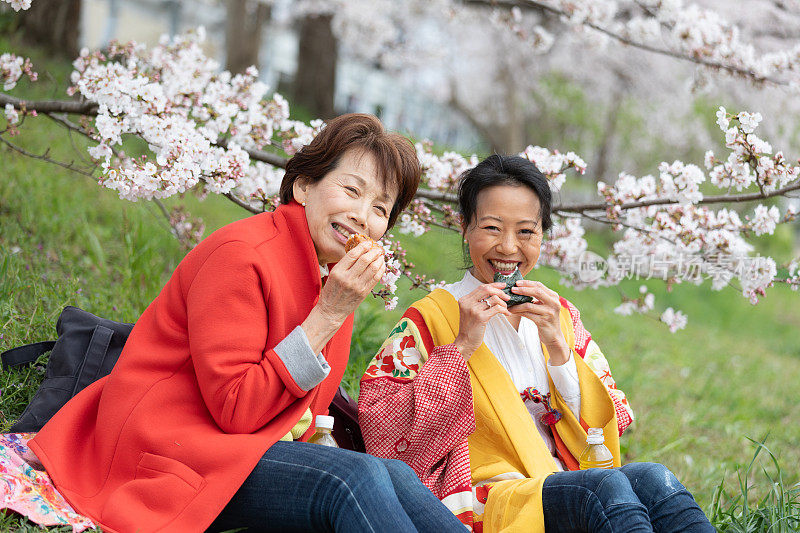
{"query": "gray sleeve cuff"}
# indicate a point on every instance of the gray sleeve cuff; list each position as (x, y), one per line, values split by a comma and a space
(306, 368)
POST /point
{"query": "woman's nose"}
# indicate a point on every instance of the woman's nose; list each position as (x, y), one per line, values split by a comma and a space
(507, 244)
(358, 215)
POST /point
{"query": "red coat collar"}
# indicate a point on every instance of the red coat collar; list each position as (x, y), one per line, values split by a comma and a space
(294, 216)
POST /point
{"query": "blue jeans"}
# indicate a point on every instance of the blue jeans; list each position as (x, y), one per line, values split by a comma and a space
(298, 486)
(638, 497)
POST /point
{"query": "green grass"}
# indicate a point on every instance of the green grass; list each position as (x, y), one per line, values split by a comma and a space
(698, 395)
(778, 511)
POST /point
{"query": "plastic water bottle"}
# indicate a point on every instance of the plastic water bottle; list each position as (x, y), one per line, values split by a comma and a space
(596, 455)
(322, 435)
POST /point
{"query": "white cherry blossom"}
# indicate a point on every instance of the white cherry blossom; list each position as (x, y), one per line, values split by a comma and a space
(207, 130)
(765, 220)
(676, 320)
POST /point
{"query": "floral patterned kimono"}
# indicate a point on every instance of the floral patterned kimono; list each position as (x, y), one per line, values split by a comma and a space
(463, 427)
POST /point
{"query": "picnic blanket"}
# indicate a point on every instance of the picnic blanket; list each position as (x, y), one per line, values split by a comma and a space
(30, 492)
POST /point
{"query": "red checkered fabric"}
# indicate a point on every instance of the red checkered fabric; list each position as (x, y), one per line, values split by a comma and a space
(405, 419)
(582, 337)
(624, 417)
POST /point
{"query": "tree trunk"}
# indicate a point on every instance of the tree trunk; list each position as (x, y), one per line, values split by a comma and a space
(603, 153)
(315, 80)
(53, 25)
(490, 133)
(513, 128)
(243, 28)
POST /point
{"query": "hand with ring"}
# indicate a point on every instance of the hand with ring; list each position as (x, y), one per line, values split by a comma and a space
(475, 310)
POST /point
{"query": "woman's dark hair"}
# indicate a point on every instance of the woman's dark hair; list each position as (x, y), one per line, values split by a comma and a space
(503, 170)
(395, 155)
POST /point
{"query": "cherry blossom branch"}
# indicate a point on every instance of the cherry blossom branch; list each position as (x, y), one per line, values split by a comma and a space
(188, 232)
(72, 127)
(438, 196)
(629, 226)
(64, 121)
(241, 203)
(725, 198)
(46, 157)
(543, 6)
(86, 108)
(48, 107)
(782, 6)
(162, 208)
(90, 109)
(51, 107)
(258, 155)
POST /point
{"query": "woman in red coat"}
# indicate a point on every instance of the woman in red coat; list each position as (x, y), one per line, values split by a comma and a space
(244, 339)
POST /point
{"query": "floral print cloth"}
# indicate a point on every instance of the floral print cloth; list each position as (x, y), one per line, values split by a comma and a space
(399, 356)
(30, 492)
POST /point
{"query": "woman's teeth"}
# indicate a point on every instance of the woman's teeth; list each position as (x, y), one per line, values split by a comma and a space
(503, 266)
(341, 230)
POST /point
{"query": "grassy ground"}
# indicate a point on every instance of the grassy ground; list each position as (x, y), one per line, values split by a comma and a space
(698, 395)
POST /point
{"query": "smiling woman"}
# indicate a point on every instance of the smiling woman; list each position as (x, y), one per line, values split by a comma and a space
(345, 203)
(203, 421)
(490, 403)
(393, 162)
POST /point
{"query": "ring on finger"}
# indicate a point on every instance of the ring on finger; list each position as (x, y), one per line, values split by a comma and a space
(486, 301)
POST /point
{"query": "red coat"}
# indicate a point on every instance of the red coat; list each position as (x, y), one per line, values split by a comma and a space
(198, 394)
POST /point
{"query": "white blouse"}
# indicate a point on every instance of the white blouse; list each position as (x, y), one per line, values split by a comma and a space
(520, 353)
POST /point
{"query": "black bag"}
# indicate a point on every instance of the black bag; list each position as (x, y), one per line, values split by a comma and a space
(88, 348)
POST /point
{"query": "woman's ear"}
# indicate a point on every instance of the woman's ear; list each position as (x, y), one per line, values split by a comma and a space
(300, 189)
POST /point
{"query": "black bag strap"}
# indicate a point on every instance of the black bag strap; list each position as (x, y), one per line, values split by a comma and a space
(25, 354)
(93, 360)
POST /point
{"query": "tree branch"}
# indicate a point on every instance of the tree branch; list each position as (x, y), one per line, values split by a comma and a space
(163, 209)
(779, 4)
(724, 198)
(488, 133)
(241, 203)
(64, 121)
(51, 107)
(45, 157)
(48, 107)
(439, 196)
(529, 4)
(259, 155)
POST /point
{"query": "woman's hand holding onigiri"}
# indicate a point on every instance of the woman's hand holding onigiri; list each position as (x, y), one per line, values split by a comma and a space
(545, 312)
(349, 282)
(475, 310)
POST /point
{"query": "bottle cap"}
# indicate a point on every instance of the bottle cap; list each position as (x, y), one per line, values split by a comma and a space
(323, 421)
(595, 436)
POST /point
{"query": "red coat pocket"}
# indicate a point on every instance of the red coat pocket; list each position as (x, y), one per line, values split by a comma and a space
(161, 486)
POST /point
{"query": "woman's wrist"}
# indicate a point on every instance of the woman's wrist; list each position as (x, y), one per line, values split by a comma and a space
(319, 327)
(559, 353)
(465, 352)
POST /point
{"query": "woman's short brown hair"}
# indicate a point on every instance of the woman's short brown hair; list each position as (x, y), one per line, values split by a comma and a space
(395, 155)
